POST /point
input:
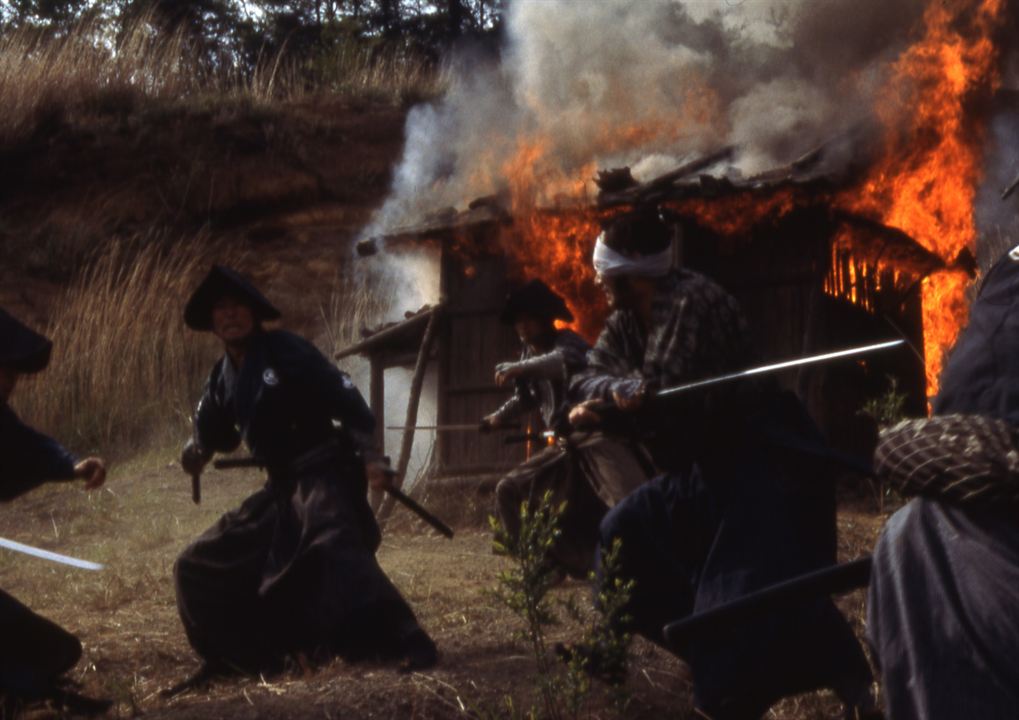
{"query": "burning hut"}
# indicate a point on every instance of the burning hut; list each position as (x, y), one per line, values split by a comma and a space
(461, 337)
(811, 275)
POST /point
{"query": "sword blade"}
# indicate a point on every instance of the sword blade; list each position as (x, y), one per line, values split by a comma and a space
(464, 427)
(775, 367)
(51, 556)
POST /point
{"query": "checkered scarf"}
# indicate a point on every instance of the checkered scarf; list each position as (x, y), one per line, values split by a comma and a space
(958, 458)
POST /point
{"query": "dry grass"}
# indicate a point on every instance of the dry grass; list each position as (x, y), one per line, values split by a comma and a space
(354, 304)
(124, 365)
(135, 645)
(41, 74)
(358, 71)
(87, 70)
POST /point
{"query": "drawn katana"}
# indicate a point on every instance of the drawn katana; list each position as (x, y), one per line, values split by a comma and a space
(776, 367)
(680, 389)
(49, 555)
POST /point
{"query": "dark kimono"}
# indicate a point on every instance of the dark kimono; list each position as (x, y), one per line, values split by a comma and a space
(943, 611)
(34, 652)
(589, 471)
(747, 500)
(292, 569)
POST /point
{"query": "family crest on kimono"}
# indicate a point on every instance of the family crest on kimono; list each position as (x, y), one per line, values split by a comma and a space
(746, 494)
(943, 611)
(292, 572)
(590, 471)
(35, 653)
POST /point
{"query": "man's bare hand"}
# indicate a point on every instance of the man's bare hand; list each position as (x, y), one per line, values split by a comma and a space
(630, 402)
(92, 470)
(584, 415)
(506, 373)
(489, 423)
(380, 475)
(192, 459)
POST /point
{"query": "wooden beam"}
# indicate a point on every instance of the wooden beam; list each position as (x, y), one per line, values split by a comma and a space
(662, 183)
(413, 401)
(382, 337)
(377, 400)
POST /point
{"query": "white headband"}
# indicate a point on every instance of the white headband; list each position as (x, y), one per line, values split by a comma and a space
(609, 263)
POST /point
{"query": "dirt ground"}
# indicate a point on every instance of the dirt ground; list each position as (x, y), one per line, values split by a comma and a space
(134, 645)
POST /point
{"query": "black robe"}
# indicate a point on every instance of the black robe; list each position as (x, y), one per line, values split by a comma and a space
(293, 569)
(943, 611)
(34, 651)
(28, 458)
(747, 501)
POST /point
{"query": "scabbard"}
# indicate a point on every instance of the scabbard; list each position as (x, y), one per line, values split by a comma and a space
(231, 463)
(834, 580)
(402, 498)
(399, 496)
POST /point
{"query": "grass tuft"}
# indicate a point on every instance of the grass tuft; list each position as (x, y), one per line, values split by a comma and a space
(46, 79)
(124, 365)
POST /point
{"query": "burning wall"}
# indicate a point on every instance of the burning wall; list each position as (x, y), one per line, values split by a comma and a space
(904, 84)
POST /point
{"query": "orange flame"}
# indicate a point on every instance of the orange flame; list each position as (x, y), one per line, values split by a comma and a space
(555, 245)
(925, 180)
(737, 214)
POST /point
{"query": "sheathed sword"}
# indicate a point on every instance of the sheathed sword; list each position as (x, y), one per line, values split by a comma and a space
(49, 555)
(452, 428)
(398, 495)
(834, 580)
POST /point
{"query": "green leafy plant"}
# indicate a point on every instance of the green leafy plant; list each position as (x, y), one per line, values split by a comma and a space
(564, 685)
(886, 409)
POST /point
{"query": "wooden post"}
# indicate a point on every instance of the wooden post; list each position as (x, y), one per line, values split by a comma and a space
(413, 400)
(377, 400)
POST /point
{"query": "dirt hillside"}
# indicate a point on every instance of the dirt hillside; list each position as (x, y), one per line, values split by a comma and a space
(288, 184)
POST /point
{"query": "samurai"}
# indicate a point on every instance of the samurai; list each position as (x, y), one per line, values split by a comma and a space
(745, 497)
(943, 609)
(291, 574)
(590, 471)
(35, 653)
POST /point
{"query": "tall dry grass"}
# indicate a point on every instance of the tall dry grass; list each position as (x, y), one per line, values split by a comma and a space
(42, 74)
(355, 304)
(124, 368)
(352, 70)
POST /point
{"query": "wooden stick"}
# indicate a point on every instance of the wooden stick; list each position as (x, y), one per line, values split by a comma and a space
(414, 399)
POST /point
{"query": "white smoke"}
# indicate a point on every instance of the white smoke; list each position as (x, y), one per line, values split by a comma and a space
(403, 280)
(646, 84)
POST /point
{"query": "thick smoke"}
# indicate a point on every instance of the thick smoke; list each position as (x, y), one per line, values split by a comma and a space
(582, 85)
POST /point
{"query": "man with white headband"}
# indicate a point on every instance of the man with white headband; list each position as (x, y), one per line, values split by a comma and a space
(737, 508)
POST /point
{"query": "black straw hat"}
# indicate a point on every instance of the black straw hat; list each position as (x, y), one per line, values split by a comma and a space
(21, 348)
(222, 281)
(536, 299)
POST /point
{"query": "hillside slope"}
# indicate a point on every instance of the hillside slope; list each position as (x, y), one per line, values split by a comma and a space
(285, 184)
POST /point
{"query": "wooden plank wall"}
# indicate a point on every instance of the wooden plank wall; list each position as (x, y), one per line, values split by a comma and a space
(474, 341)
(778, 275)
